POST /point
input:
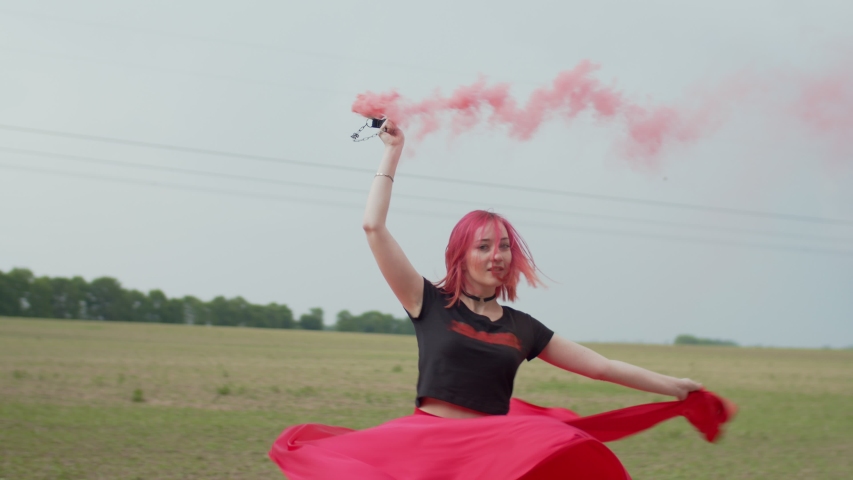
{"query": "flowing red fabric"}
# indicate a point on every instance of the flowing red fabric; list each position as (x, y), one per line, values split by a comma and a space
(529, 443)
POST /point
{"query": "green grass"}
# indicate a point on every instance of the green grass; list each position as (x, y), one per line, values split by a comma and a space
(99, 400)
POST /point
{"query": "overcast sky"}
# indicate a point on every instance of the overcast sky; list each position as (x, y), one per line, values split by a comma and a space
(277, 79)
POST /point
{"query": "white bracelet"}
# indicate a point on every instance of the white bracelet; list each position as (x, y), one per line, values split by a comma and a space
(385, 175)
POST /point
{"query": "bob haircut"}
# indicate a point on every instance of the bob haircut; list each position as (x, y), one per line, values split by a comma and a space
(462, 240)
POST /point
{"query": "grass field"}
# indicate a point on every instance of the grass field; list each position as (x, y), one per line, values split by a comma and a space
(104, 400)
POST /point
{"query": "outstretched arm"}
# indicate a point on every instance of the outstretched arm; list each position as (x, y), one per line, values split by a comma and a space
(401, 276)
(576, 358)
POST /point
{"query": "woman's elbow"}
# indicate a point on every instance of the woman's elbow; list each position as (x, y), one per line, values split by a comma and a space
(371, 227)
(369, 223)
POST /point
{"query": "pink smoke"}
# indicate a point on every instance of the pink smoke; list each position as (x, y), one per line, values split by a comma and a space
(824, 104)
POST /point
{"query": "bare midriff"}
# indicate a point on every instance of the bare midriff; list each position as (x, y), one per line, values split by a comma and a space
(440, 408)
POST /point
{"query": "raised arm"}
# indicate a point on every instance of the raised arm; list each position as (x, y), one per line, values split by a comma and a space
(576, 358)
(401, 276)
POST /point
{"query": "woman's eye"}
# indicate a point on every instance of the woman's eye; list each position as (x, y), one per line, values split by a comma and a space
(483, 248)
(505, 246)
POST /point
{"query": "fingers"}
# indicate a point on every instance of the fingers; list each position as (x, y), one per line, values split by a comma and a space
(390, 134)
(685, 386)
(390, 128)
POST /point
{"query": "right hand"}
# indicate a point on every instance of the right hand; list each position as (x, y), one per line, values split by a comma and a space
(683, 387)
(391, 135)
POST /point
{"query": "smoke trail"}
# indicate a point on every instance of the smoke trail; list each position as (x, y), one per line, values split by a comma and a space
(823, 103)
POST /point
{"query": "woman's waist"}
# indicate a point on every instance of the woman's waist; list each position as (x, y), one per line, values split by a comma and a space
(444, 409)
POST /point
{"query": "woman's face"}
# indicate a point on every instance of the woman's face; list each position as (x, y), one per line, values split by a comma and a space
(485, 265)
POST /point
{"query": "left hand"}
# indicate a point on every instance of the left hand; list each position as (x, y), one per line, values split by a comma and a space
(683, 386)
(391, 135)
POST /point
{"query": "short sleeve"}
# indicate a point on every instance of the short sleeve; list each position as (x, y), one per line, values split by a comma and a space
(431, 293)
(541, 336)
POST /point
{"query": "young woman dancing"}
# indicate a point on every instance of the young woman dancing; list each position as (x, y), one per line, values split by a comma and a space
(465, 424)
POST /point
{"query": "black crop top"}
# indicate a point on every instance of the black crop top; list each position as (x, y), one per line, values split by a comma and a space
(468, 360)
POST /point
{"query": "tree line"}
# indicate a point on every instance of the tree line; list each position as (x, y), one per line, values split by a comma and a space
(22, 294)
(692, 340)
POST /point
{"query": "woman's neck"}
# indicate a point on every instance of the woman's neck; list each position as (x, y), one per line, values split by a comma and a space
(481, 300)
(478, 292)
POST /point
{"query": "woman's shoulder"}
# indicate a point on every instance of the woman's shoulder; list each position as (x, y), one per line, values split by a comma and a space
(523, 317)
(435, 294)
(515, 312)
(432, 288)
(536, 334)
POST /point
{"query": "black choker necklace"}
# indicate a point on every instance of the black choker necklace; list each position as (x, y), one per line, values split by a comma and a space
(484, 300)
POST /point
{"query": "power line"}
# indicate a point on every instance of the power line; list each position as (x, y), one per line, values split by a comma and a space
(236, 43)
(176, 148)
(283, 198)
(590, 196)
(693, 240)
(216, 76)
(186, 171)
(651, 203)
(156, 183)
(230, 176)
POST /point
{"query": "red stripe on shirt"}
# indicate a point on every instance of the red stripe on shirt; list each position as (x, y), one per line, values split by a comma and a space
(507, 339)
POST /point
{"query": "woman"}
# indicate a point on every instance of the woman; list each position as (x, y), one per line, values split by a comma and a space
(470, 347)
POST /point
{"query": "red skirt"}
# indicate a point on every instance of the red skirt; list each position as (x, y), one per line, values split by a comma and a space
(528, 443)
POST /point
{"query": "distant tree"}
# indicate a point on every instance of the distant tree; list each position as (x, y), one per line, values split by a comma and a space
(691, 340)
(219, 313)
(67, 297)
(344, 322)
(157, 301)
(9, 303)
(40, 298)
(372, 322)
(153, 307)
(312, 320)
(378, 322)
(106, 300)
(196, 312)
(173, 311)
(14, 292)
(277, 316)
(231, 312)
(138, 305)
(24, 295)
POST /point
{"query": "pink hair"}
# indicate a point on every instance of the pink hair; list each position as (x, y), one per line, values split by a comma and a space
(461, 241)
